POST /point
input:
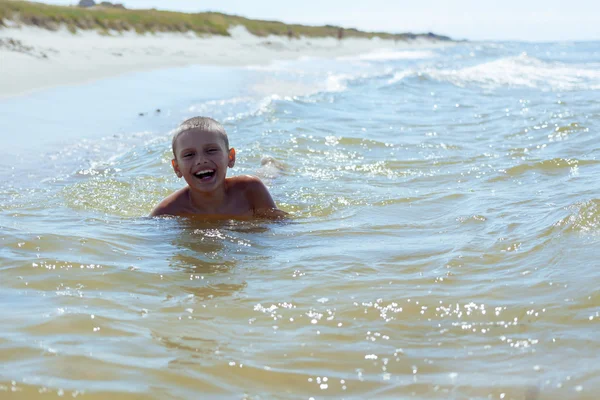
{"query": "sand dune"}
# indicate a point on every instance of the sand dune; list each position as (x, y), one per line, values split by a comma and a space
(35, 58)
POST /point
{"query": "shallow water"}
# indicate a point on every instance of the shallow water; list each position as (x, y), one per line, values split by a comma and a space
(445, 213)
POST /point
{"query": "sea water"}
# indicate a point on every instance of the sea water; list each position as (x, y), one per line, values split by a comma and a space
(442, 242)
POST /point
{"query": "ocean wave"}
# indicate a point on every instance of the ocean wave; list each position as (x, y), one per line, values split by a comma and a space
(224, 109)
(265, 93)
(236, 109)
(553, 166)
(584, 217)
(516, 71)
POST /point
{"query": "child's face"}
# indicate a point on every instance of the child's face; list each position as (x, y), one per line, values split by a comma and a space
(202, 158)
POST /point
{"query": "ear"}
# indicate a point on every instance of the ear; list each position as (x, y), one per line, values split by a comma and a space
(231, 158)
(176, 168)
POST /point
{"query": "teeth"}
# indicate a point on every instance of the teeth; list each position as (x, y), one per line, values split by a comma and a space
(206, 171)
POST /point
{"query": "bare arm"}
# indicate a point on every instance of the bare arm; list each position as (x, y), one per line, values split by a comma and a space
(261, 200)
(172, 205)
(158, 211)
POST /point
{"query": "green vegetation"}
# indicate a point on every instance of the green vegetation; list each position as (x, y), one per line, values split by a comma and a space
(106, 19)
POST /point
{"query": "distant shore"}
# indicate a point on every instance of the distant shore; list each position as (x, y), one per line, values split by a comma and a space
(43, 46)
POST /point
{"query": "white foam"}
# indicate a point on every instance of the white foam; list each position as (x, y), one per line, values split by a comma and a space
(337, 82)
(400, 75)
(517, 71)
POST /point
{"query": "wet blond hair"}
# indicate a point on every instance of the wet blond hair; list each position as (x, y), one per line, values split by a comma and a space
(202, 123)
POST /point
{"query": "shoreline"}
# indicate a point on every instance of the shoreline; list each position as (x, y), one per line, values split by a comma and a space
(35, 58)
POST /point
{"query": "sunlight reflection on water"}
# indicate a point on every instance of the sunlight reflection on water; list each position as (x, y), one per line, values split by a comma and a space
(441, 245)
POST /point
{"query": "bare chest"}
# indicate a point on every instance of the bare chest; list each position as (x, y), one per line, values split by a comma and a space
(232, 207)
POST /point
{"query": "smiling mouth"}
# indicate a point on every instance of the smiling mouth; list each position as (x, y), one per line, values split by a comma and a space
(205, 174)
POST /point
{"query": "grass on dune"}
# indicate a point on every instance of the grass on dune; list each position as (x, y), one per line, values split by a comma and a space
(106, 19)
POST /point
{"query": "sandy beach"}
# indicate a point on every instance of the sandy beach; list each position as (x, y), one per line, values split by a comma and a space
(34, 58)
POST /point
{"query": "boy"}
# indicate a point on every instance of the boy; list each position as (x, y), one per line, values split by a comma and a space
(201, 156)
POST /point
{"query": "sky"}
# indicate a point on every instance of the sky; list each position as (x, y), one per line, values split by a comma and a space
(529, 20)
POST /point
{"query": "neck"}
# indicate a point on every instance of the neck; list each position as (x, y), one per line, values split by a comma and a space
(209, 202)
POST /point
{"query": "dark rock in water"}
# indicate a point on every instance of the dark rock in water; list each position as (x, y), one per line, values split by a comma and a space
(157, 110)
(141, 114)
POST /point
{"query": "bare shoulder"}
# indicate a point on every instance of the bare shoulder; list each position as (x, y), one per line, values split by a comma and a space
(173, 204)
(245, 182)
(258, 196)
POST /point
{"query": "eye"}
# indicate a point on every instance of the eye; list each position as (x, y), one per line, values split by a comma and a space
(212, 151)
(186, 155)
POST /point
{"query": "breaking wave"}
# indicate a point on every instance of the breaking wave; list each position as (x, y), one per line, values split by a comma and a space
(517, 71)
